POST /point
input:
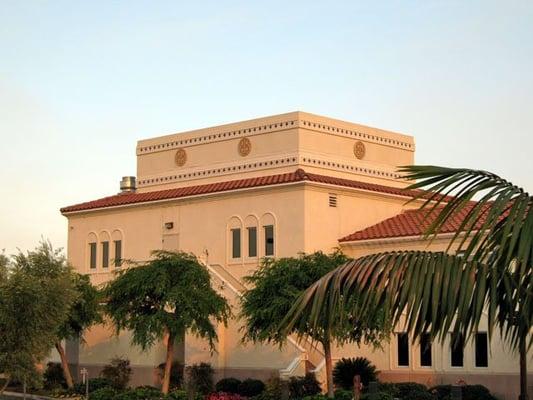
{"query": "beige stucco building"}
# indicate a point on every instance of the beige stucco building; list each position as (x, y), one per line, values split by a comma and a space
(269, 187)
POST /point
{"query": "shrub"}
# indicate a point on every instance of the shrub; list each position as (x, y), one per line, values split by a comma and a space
(228, 385)
(224, 396)
(303, 386)
(442, 392)
(316, 397)
(182, 395)
(273, 390)
(343, 394)
(251, 387)
(405, 390)
(141, 393)
(118, 372)
(105, 393)
(477, 392)
(346, 368)
(94, 384)
(389, 387)
(201, 378)
(176, 374)
(53, 376)
(377, 396)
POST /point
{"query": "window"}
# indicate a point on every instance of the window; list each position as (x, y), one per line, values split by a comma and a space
(235, 243)
(403, 349)
(482, 358)
(252, 241)
(425, 350)
(332, 200)
(269, 240)
(457, 350)
(118, 253)
(105, 254)
(92, 251)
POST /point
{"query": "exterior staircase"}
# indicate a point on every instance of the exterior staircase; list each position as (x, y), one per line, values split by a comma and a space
(311, 357)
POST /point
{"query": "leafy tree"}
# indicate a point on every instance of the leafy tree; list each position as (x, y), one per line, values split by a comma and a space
(167, 296)
(439, 291)
(83, 313)
(277, 284)
(118, 372)
(34, 300)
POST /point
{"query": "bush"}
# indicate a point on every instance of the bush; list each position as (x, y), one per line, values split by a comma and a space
(477, 392)
(228, 385)
(251, 387)
(303, 386)
(342, 394)
(141, 393)
(273, 390)
(201, 378)
(377, 396)
(94, 384)
(118, 372)
(406, 390)
(224, 396)
(105, 393)
(316, 397)
(182, 395)
(346, 368)
(390, 388)
(53, 376)
(176, 374)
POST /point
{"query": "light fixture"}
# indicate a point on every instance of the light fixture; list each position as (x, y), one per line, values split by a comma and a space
(169, 225)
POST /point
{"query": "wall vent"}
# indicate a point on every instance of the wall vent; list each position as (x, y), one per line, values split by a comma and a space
(332, 200)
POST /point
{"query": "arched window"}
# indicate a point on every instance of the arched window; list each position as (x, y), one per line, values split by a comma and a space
(251, 224)
(104, 248)
(92, 250)
(235, 238)
(268, 226)
(118, 248)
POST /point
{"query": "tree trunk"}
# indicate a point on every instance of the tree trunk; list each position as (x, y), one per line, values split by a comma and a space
(329, 367)
(6, 383)
(64, 365)
(523, 369)
(168, 363)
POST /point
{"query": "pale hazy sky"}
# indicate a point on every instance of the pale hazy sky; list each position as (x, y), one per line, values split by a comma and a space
(81, 82)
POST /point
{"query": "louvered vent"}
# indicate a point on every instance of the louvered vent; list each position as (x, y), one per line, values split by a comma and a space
(332, 200)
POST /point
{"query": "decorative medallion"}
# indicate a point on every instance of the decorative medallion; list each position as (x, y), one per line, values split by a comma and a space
(359, 150)
(180, 157)
(245, 147)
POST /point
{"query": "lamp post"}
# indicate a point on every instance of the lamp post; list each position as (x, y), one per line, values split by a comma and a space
(85, 379)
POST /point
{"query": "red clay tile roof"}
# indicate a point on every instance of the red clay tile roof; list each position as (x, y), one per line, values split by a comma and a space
(292, 177)
(408, 223)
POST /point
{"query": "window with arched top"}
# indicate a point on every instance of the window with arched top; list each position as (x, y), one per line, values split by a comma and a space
(92, 250)
(268, 233)
(105, 238)
(251, 224)
(117, 247)
(235, 238)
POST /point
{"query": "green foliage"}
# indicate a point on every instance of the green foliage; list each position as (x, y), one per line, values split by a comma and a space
(200, 378)
(228, 385)
(53, 376)
(343, 394)
(470, 392)
(405, 390)
(176, 374)
(118, 372)
(250, 387)
(316, 397)
(273, 390)
(346, 368)
(34, 300)
(105, 393)
(94, 384)
(140, 393)
(171, 294)
(276, 285)
(377, 396)
(302, 386)
(182, 395)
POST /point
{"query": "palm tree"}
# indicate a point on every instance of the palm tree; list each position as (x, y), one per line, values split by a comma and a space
(491, 268)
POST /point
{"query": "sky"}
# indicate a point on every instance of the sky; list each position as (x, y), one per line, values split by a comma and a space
(82, 81)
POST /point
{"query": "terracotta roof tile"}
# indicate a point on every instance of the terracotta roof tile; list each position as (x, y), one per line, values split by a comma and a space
(408, 223)
(297, 176)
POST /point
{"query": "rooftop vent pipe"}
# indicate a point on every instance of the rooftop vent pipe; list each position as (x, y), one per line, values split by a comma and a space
(127, 184)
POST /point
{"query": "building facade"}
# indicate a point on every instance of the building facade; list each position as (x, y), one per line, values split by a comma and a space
(269, 187)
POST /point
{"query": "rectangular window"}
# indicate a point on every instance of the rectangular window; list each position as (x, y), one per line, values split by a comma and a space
(403, 349)
(457, 350)
(235, 243)
(425, 350)
(482, 357)
(269, 240)
(118, 253)
(252, 241)
(105, 254)
(92, 251)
